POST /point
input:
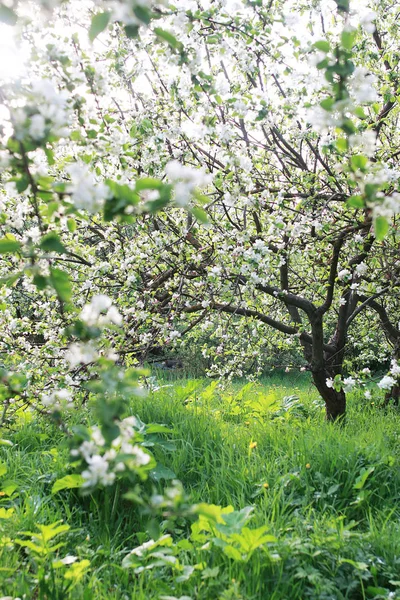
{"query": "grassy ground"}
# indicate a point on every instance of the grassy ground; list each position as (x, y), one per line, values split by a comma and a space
(328, 494)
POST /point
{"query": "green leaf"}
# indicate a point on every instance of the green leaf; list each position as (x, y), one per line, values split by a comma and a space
(362, 478)
(68, 482)
(22, 184)
(327, 104)
(40, 281)
(71, 224)
(59, 280)
(9, 244)
(10, 280)
(6, 513)
(168, 37)
(342, 144)
(123, 196)
(148, 183)
(142, 13)
(98, 24)
(131, 31)
(347, 39)
(233, 553)
(3, 469)
(7, 15)
(200, 214)
(360, 112)
(52, 243)
(161, 472)
(343, 5)
(356, 202)
(4, 442)
(235, 521)
(381, 227)
(322, 45)
(359, 161)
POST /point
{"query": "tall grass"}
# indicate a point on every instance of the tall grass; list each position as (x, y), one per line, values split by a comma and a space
(329, 494)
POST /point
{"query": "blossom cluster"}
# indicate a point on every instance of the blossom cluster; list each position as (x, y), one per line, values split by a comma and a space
(388, 381)
(186, 180)
(101, 312)
(104, 464)
(85, 191)
(46, 113)
(58, 400)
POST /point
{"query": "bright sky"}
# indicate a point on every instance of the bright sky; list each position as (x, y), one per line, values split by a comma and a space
(12, 57)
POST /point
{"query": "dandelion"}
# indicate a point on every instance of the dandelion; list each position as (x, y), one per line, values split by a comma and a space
(308, 466)
(266, 485)
(252, 445)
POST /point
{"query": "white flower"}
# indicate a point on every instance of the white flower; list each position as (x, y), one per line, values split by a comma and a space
(78, 353)
(101, 302)
(361, 269)
(394, 368)
(366, 141)
(68, 560)
(114, 316)
(86, 193)
(348, 384)
(367, 21)
(91, 313)
(386, 383)
(362, 86)
(141, 458)
(97, 472)
(245, 163)
(342, 301)
(389, 206)
(58, 400)
(367, 395)
(174, 335)
(37, 127)
(329, 382)
(344, 274)
(185, 180)
(215, 271)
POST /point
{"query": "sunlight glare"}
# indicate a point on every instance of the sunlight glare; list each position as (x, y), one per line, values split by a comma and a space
(11, 57)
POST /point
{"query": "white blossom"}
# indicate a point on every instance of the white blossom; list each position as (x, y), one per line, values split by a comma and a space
(186, 180)
(344, 274)
(387, 382)
(348, 384)
(86, 193)
(97, 472)
(395, 368)
(58, 400)
(367, 21)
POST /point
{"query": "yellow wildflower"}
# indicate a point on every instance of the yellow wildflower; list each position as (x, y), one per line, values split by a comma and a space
(252, 445)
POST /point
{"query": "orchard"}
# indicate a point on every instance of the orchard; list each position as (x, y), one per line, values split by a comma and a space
(212, 187)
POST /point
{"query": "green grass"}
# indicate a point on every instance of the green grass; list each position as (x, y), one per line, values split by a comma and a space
(331, 496)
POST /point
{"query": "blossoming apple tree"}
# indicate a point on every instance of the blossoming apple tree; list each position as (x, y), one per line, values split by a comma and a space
(198, 170)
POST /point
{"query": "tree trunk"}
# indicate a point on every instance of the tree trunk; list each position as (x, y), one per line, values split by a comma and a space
(393, 395)
(335, 402)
